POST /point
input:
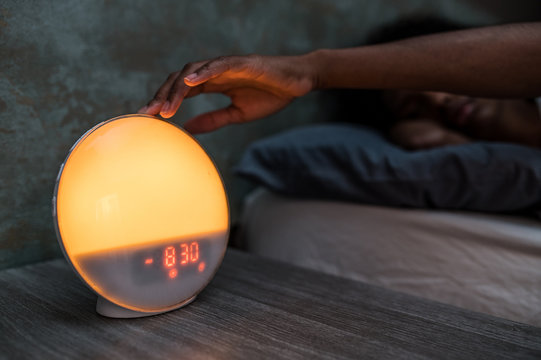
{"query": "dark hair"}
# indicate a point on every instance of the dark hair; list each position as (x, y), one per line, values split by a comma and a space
(366, 106)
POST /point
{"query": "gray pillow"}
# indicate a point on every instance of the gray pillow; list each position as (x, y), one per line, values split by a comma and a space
(353, 163)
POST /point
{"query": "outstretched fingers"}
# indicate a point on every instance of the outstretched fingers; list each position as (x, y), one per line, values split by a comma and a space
(178, 91)
(195, 76)
(169, 96)
(190, 81)
(155, 105)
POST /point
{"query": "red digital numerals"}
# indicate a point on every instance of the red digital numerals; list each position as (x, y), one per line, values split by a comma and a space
(188, 254)
(169, 257)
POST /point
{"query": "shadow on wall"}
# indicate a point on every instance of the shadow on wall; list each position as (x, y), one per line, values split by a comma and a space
(68, 65)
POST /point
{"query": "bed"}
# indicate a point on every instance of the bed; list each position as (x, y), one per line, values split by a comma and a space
(483, 262)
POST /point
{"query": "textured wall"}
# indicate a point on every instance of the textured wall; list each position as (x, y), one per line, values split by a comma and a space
(67, 65)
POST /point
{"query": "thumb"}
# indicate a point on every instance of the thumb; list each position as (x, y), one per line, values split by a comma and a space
(213, 120)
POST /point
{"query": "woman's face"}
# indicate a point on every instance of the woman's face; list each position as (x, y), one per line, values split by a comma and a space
(514, 120)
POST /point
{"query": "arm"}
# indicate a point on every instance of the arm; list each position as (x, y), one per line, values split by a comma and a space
(498, 61)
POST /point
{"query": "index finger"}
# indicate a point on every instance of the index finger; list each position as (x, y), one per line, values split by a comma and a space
(177, 90)
(211, 70)
(189, 80)
(155, 105)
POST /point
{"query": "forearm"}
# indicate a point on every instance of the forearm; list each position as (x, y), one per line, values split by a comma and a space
(499, 61)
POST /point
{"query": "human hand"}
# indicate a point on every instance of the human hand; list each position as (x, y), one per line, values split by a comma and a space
(257, 85)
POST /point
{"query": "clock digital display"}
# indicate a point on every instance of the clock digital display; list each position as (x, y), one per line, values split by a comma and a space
(188, 254)
(150, 272)
(174, 259)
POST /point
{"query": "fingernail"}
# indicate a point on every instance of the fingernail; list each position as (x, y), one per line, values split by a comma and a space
(191, 77)
(165, 107)
(142, 110)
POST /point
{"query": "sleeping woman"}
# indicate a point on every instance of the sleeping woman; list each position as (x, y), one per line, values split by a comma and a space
(449, 87)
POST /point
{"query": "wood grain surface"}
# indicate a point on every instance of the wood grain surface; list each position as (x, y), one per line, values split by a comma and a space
(254, 309)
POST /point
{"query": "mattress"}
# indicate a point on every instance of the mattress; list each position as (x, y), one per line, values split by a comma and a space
(485, 263)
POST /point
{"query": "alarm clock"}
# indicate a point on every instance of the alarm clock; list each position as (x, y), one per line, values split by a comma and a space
(141, 214)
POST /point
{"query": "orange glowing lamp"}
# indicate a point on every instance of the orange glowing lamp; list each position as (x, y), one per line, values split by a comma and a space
(141, 214)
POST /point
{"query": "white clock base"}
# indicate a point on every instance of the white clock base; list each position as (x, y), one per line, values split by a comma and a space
(106, 308)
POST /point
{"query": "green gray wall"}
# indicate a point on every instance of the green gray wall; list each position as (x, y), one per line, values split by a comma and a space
(67, 65)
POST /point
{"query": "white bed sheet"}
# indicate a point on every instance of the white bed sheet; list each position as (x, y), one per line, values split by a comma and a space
(486, 263)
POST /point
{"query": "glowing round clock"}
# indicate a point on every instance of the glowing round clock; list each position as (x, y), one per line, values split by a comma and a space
(141, 214)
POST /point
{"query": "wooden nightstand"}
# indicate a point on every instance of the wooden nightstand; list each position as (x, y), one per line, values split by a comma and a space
(254, 308)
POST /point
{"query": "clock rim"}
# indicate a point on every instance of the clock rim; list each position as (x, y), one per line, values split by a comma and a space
(59, 238)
